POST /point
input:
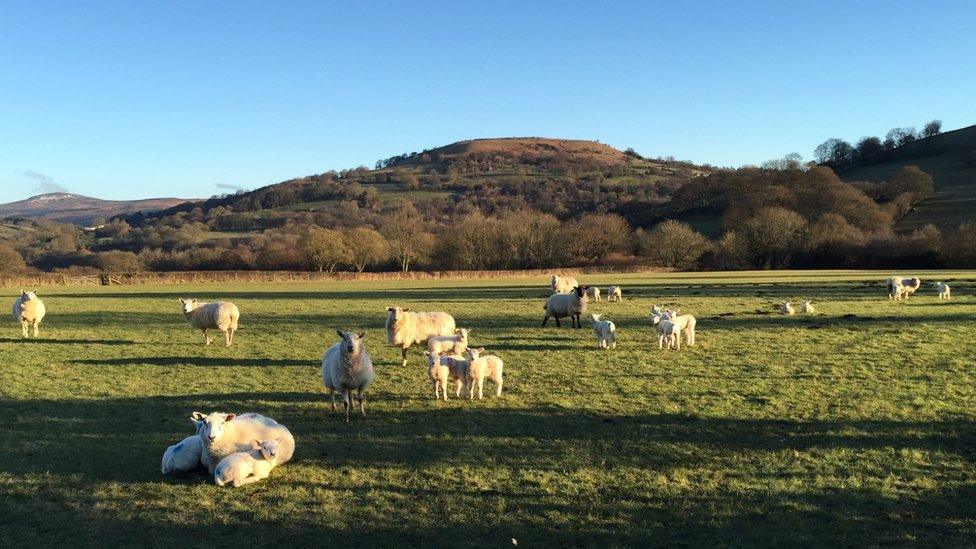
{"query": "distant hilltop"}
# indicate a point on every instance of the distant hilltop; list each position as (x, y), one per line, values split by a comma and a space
(81, 210)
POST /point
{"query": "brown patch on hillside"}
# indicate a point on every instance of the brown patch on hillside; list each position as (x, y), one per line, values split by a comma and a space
(527, 150)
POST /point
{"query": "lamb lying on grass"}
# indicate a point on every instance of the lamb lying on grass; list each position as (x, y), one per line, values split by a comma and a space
(405, 328)
(221, 316)
(242, 468)
(480, 367)
(225, 434)
(807, 308)
(29, 311)
(184, 456)
(347, 369)
(785, 308)
(606, 333)
(944, 290)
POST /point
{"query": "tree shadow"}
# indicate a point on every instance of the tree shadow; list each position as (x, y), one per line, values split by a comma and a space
(194, 361)
(50, 341)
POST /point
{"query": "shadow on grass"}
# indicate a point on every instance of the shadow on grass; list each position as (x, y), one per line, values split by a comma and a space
(193, 361)
(52, 341)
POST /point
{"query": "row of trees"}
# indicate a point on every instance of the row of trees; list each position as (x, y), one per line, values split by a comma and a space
(838, 153)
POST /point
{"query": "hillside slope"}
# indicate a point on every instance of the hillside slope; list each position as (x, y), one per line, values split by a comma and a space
(944, 158)
(73, 208)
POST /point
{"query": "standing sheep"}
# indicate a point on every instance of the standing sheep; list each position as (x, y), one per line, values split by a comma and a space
(900, 287)
(562, 284)
(686, 324)
(563, 305)
(944, 290)
(456, 343)
(668, 331)
(614, 294)
(29, 311)
(457, 370)
(224, 434)
(405, 327)
(439, 373)
(480, 367)
(242, 468)
(346, 367)
(807, 308)
(593, 293)
(221, 316)
(785, 308)
(606, 333)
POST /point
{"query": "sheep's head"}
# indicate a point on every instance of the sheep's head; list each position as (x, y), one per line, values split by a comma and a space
(462, 334)
(352, 343)
(269, 448)
(431, 358)
(188, 305)
(396, 313)
(28, 296)
(211, 425)
(596, 317)
(473, 354)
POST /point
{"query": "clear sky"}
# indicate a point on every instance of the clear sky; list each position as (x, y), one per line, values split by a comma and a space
(135, 99)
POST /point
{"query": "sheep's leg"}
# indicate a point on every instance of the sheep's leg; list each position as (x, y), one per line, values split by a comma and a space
(206, 338)
(404, 351)
(436, 394)
(230, 339)
(37, 328)
(334, 407)
(362, 403)
(481, 388)
(23, 328)
(457, 393)
(346, 397)
(498, 386)
(544, 320)
(558, 325)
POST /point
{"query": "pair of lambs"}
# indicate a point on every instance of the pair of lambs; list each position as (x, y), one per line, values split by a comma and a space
(670, 325)
(235, 449)
(465, 372)
(29, 310)
(806, 307)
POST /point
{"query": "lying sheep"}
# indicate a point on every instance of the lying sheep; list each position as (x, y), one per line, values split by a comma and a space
(563, 305)
(29, 311)
(480, 367)
(184, 456)
(944, 290)
(242, 468)
(593, 293)
(900, 287)
(807, 308)
(562, 284)
(405, 327)
(225, 434)
(614, 294)
(439, 373)
(785, 308)
(606, 333)
(456, 343)
(346, 367)
(221, 316)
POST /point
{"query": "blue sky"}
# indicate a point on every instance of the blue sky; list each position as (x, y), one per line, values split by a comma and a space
(136, 99)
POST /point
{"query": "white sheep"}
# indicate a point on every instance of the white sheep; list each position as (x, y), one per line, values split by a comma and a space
(184, 456)
(563, 305)
(224, 434)
(405, 327)
(29, 311)
(944, 290)
(347, 368)
(562, 284)
(614, 294)
(685, 323)
(480, 367)
(593, 293)
(785, 308)
(900, 287)
(606, 333)
(221, 316)
(456, 343)
(457, 371)
(439, 373)
(242, 468)
(668, 331)
(807, 308)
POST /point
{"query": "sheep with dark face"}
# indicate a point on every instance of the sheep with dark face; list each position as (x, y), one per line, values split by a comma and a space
(572, 305)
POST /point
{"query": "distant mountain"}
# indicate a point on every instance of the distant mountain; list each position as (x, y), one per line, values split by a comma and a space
(81, 210)
(532, 151)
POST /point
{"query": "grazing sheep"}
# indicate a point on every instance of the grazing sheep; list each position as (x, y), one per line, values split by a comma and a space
(405, 327)
(686, 324)
(456, 343)
(184, 456)
(224, 434)
(807, 308)
(29, 311)
(614, 294)
(221, 316)
(480, 367)
(606, 333)
(563, 305)
(457, 370)
(562, 284)
(785, 308)
(242, 468)
(346, 367)
(900, 287)
(944, 290)
(593, 293)
(439, 373)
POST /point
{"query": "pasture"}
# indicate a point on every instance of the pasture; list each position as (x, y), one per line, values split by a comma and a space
(850, 427)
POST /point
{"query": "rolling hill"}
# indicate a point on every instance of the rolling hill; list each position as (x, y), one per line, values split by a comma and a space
(944, 158)
(81, 210)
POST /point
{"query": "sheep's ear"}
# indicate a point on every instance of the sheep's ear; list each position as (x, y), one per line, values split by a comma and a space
(406, 308)
(197, 416)
(255, 444)
(389, 309)
(361, 335)
(229, 417)
(481, 350)
(426, 353)
(23, 292)
(182, 300)
(343, 336)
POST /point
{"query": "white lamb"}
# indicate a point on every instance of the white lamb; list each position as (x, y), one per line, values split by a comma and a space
(562, 284)
(242, 468)
(944, 290)
(807, 308)
(457, 371)
(614, 294)
(480, 367)
(593, 293)
(29, 311)
(686, 325)
(606, 333)
(439, 373)
(347, 369)
(563, 305)
(405, 327)
(224, 434)
(184, 456)
(668, 331)
(221, 316)
(456, 343)
(785, 308)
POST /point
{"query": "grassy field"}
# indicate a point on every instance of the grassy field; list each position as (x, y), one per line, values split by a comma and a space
(852, 427)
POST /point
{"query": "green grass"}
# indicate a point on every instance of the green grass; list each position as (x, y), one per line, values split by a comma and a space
(804, 431)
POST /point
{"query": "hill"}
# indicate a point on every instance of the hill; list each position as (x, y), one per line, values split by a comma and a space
(81, 210)
(536, 151)
(944, 157)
